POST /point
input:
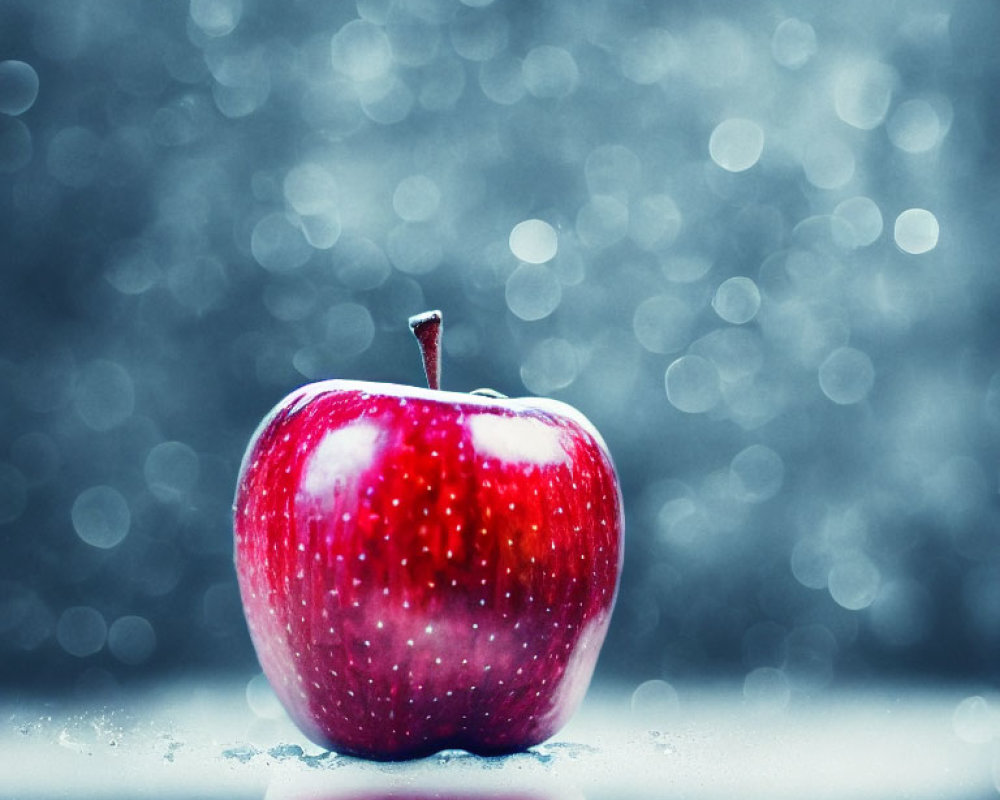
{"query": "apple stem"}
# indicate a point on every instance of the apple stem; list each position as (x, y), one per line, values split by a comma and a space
(427, 328)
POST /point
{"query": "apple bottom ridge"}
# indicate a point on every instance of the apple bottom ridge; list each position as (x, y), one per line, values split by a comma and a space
(414, 733)
(425, 749)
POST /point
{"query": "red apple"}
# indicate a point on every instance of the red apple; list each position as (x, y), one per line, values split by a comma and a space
(422, 569)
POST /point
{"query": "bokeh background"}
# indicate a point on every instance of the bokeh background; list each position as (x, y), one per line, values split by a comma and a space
(754, 242)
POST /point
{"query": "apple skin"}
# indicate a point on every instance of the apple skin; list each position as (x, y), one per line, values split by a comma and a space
(423, 570)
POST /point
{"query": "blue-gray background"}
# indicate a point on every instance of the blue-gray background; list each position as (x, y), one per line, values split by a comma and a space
(206, 204)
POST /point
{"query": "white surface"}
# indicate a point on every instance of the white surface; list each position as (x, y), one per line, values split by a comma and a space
(205, 741)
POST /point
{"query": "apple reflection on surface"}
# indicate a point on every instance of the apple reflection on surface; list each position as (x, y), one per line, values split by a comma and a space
(409, 794)
(410, 786)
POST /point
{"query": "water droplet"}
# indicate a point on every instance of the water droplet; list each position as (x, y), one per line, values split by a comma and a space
(552, 364)
(756, 474)
(18, 87)
(533, 292)
(736, 144)
(793, 43)
(862, 92)
(550, 72)
(662, 324)
(846, 376)
(361, 51)
(104, 395)
(692, 384)
(916, 231)
(416, 198)
(278, 245)
(81, 631)
(101, 516)
(854, 581)
(131, 639)
(171, 471)
(737, 300)
(534, 241)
